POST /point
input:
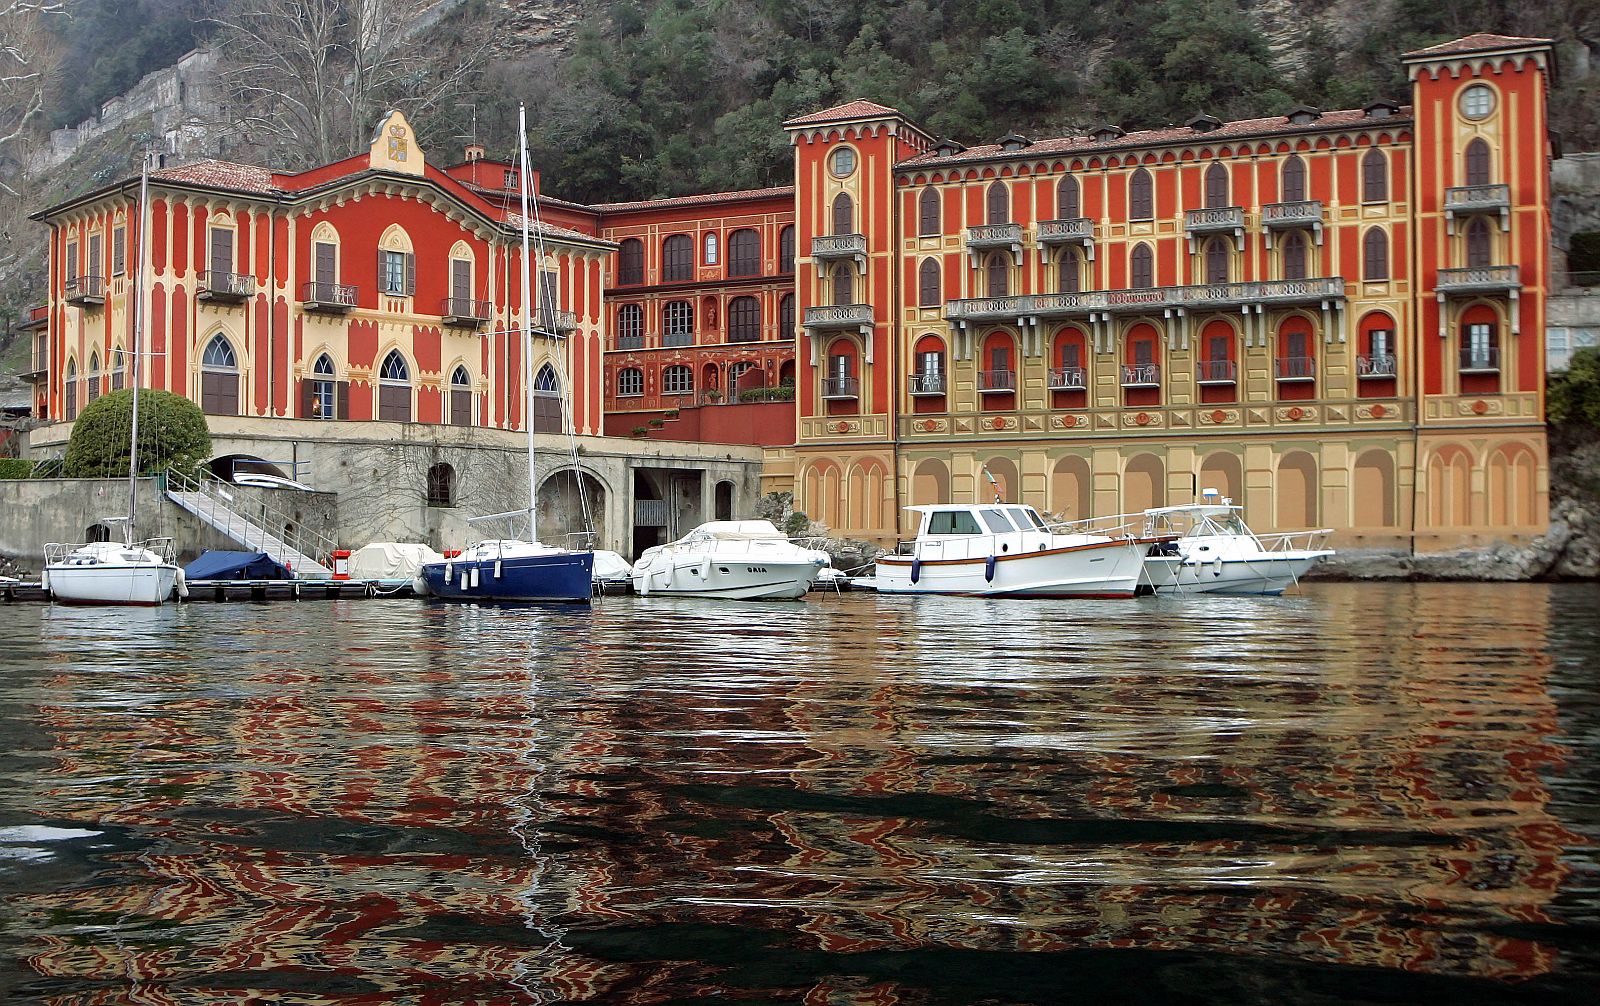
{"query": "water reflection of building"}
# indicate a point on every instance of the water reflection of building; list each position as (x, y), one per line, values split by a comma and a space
(362, 830)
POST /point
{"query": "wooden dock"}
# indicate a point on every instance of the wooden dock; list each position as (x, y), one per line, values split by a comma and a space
(258, 591)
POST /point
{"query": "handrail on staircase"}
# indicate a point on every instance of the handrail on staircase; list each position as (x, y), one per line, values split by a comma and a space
(311, 544)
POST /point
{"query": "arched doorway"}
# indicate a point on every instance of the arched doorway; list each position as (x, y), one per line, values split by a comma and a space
(1223, 472)
(1070, 489)
(562, 499)
(930, 482)
(724, 501)
(1297, 494)
(1143, 484)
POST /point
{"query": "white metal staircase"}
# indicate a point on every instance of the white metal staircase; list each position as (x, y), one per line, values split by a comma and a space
(206, 499)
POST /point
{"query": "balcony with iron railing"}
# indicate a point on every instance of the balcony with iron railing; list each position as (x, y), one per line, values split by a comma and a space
(839, 316)
(1213, 220)
(1216, 372)
(1377, 365)
(463, 311)
(1071, 230)
(1480, 360)
(1068, 379)
(1291, 215)
(334, 298)
(85, 291)
(39, 361)
(1141, 376)
(840, 388)
(224, 287)
(1295, 368)
(996, 382)
(927, 384)
(1479, 279)
(995, 236)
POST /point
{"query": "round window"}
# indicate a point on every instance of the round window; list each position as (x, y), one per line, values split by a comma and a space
(844, 162)
(1477, 101)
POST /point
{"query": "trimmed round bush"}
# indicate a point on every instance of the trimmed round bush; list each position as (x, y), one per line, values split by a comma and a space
(172, 435)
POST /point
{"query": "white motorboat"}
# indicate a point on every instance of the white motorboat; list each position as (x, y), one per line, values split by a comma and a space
(742, 560)
(1217, 553)
(105, 572)
(1008, 550)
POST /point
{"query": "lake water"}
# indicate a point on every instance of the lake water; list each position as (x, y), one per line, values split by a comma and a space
(1363, 793)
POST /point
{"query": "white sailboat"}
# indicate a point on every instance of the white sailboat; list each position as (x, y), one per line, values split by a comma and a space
(511, 569)
(133, 572)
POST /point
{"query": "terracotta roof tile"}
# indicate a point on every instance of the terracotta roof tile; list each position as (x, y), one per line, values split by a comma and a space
(860, 108)
(514, 221)
(1274, 125)
(697, 199)
(221, 175)
(1481, 42)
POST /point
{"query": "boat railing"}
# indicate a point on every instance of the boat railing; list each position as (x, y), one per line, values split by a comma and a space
(1111, 525)
(1295, 541)
(56, 552)
(581, 541)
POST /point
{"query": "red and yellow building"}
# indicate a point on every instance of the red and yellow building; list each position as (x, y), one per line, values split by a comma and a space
(1335, 318)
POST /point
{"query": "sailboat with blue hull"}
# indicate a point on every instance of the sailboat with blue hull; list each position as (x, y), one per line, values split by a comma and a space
(507, 570)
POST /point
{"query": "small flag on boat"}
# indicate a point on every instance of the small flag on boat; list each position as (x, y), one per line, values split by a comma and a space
(990, 475)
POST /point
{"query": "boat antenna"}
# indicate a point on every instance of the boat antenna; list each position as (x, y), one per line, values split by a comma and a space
(138, 322)
(524, 182)
(994, 484)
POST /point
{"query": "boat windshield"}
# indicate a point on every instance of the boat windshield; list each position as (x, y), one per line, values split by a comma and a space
(1231, 524)
(996, 521)
(1026, 516)
(952, 522)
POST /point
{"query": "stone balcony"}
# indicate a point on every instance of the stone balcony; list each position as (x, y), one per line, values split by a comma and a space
(1296, 215)
(839, 317)
(1052, 234)
(1467, 200)
(555, 321)
(1159, 298)
(826, 248)
(1214, 220)
(986, 237)
(1479, 279)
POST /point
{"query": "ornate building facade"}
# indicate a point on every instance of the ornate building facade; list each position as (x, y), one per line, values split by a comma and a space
(1335, 318)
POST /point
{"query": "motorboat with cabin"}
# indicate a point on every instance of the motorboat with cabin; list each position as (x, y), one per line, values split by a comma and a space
(1215, 552)
(742, 560)
(1009, 550)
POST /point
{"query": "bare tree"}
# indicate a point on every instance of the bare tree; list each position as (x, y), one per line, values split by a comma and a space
(28, 54)
(308, 79)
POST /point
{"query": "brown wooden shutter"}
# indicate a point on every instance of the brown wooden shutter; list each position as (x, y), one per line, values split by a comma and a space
(72, 261)
(325, 263)
(221, 252)
(94, 255)
(341, 396)
(306, 399)
(411, 274)
(461, 279)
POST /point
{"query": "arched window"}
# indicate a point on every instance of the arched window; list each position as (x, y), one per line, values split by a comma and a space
(1141, 196)
(441, 485)
(72, 389)
(1375, 254)
(1142, 268)
(677, 259)
(219, 378)
(630, 382)
(786, 317)
(928, 212)
(844, 214)
(679, 328)
(1374, 177)
(546, 401)
(630, 327)
(711, 248)
(1069, 278)
(1477, 162)
(394, 389)
(1294, 179)
(1217, 261)
(119, 369)
(94, 376)
(321, 389)
(999, 203)
(460, 397)
(1294, 255)
(1479, 246)
(1068, 198)
(744, 253)
(630, 261)
(677, 380)
(843, 284)
(1216, 186)
(397, 264)
(997, 272)
(786, 250)
(928, 283)
(744, 319)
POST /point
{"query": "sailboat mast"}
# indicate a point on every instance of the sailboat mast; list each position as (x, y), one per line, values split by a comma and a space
(138, 324)
(525, 180)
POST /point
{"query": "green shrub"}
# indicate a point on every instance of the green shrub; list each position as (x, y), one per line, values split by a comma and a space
(1573, 397)
(639, 431)
(781, 393)
(15, 468)
(656, 424)
(172, 435)
(670, 414)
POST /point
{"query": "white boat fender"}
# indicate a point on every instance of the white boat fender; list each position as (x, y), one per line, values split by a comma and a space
(666, 576)
(44, 579)
(474, 575)
(705, 568)
(988, 568)
(419, 585)
(179, 586)
(449, 571)
(916, 570)
(1216, 566)
(497, 569)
